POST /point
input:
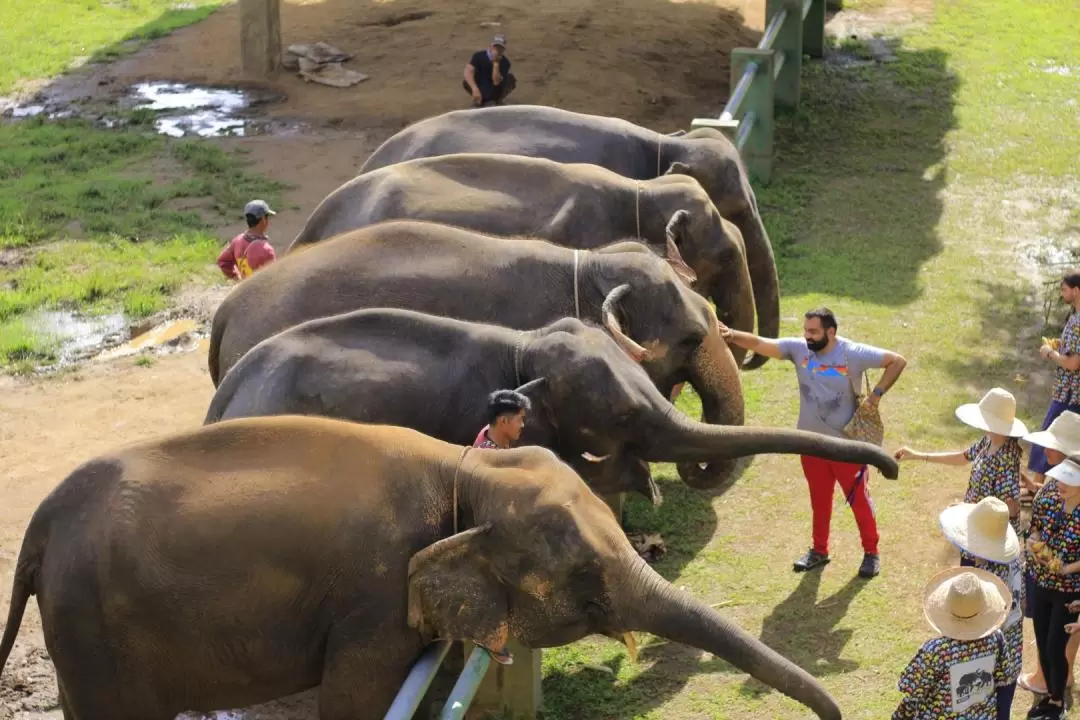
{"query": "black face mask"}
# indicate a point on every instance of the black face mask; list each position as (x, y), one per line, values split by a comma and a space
(817, 345)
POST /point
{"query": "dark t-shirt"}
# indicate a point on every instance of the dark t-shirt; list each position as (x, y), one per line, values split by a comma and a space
(483, 66)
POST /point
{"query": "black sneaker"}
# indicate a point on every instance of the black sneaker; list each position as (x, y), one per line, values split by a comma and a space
(871, 566)
(1045, 710)
(811, 560)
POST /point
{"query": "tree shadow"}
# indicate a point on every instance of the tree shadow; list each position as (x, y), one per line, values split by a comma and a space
(854, 203)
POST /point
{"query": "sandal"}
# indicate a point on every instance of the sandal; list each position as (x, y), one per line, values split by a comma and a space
(1023, 682)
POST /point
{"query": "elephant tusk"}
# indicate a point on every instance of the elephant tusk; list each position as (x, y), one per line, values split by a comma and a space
(593, 458)
(631, 646)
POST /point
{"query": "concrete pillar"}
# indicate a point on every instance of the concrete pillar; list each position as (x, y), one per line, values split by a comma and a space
(260, 37)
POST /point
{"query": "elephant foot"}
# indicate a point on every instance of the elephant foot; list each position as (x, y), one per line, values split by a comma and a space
(650, 546)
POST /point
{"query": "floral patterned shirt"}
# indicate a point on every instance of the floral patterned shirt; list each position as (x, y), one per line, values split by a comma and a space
(994, 473)
(1061, 533)
(1067, 382)
(953, 680)
(1012, 575)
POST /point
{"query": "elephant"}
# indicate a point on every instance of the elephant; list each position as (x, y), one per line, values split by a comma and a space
(593, 405)
(575, 205)
(248, 560)
(519, 283)
(618, 145)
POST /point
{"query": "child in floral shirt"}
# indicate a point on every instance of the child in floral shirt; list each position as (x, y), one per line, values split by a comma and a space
(986, 540)
(994, 458)
(954, 677)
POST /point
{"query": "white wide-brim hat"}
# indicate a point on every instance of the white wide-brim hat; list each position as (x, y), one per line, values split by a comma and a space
(995, 413)
(982, 529)
(1066, 473)
(966, 603)
(1063, 434)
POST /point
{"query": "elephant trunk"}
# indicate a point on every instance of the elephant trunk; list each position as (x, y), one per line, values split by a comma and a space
(680, 439)
(653, 605)
(766, 283)
(714, 375)
(734, 298)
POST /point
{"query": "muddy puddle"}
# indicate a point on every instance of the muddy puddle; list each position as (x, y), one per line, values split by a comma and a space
(178, 110)
(73, 337)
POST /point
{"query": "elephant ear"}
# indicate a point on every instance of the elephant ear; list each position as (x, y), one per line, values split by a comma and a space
(678, 231)
(454, 593)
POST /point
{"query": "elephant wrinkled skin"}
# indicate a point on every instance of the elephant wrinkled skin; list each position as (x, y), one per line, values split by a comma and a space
(618, 145)
(256, 558)
(574, 205)
(592, 404)
(518, 283)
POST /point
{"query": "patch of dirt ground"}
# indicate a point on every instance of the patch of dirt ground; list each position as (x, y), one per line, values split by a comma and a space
(655, 62)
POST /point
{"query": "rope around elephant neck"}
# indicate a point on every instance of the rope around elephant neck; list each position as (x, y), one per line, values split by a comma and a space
(457, 471)
(659, 149)
(577, 302)
(637, 208)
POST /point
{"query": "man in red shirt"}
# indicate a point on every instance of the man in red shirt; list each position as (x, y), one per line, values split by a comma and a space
(250, 250)
(506, 420)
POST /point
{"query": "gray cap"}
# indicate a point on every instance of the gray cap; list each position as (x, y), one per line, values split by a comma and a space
(499, 40)
(258, 208)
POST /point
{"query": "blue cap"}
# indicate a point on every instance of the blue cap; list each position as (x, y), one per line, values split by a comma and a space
(258, 208)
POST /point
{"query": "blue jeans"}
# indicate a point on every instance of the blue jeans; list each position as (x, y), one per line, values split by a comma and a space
(1037, 462)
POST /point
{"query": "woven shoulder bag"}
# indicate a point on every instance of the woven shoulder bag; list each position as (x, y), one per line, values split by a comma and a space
(865, 424)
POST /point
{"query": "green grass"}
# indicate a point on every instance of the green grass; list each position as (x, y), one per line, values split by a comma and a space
(900, 195)
(40, 38)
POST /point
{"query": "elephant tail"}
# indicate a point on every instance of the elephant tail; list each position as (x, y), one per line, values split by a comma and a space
(21, 590)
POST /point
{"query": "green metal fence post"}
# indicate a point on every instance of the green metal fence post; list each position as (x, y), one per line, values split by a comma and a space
(788, 44)
(754, 138)
(813, 39)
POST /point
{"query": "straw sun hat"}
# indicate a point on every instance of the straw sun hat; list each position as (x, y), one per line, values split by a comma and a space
(982, 529)
(1063, 434)
(995, 413)
(966, 603)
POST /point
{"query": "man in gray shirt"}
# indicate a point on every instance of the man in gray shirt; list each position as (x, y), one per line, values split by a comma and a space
(829, 368)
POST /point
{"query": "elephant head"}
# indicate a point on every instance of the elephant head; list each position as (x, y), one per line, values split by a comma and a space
(546, 563)
(696, 234)
(600, 411)
(712, 159)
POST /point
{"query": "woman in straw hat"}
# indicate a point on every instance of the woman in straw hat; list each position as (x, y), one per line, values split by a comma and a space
(1053, 550)
(994, 458)
(954, 677)
(987, 541)
(1059, 440)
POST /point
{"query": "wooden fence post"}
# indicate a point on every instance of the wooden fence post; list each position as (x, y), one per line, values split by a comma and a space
(789, 45)
(513, 690)
(757, 149)
(260, 36)
(813, 41)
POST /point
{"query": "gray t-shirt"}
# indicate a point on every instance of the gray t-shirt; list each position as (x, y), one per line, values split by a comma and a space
(826, 398)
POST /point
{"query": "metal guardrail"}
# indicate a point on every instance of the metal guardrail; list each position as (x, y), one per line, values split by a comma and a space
(769, 76)
(423, 672)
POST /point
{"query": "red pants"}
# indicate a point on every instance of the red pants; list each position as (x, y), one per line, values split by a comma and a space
(821, 476)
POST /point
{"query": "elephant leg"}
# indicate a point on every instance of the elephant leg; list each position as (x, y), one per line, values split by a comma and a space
(361, 677)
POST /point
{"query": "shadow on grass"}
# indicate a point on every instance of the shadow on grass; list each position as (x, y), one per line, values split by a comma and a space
(803, 629)
(1010, 333)
(854, 203)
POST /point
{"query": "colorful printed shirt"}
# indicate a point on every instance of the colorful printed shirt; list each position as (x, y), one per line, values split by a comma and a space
(1061, 532)
(1012, 575)
(483, 440)
(953, 680)
(994, 473)
(1067, 382)
(245, 253)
